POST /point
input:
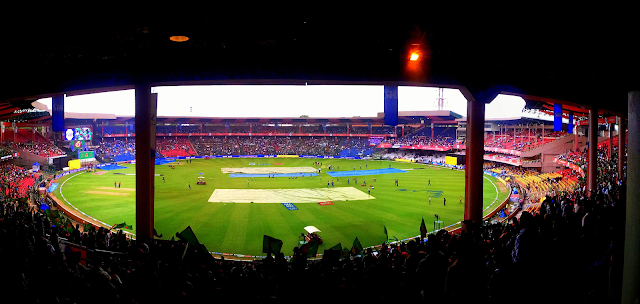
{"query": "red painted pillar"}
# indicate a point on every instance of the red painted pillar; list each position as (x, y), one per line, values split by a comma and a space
(474, 161)
(402, 131)
(146, 110)
(592, 178)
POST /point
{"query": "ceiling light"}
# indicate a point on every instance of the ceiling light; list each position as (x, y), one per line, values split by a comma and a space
(179, 38)
(414, 56)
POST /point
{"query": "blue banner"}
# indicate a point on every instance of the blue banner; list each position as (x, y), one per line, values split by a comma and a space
(557, 117)
(57, 113)
(570, 126)
(391, 105)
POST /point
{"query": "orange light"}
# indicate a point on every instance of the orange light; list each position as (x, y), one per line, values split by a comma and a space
(179, 38)
(414, 56)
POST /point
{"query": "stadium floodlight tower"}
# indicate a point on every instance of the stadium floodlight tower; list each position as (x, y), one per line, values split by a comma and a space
(441, 102)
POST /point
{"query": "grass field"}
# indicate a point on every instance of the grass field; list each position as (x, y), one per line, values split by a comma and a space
(238, 227)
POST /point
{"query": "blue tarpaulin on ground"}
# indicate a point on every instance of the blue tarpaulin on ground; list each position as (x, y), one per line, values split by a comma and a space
(52, 187)
(111, 167)
(365, 172)
(164, 161)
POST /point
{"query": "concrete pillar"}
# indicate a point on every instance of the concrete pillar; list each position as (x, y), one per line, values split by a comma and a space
(145, 121)
(631, 267)
(432, 130)
(621, 145)
(474, 161)
(575, 140)
(592, 152)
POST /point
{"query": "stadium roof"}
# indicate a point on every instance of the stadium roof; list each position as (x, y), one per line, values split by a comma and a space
(404, 117)
(572, 56)
(112, 119)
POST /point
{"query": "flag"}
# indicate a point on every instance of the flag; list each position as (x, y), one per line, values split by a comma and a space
(310, 249)
(357, 247)
(345, 252)
(386, 233)
(88, 227)
(336, 247)
(570, 125)
(123, 226)
(68, 226)
(332, 254)
(271, 245)
(54, 217)
(423, 229)
(188, 235)
(557, 117)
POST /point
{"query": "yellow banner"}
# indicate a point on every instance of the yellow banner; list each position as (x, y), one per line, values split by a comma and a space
(404, 160)
(288, 156)
(451, 160)
(74, 164)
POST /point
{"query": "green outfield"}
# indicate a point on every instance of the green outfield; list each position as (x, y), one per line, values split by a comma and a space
(238, 228)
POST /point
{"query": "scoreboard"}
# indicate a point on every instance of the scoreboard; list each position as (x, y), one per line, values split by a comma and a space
(86, 154)
(78, 134)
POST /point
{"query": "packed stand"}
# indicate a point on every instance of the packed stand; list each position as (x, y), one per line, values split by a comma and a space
(116, 150)
(422, 140)
(521, 140)
(175, 147)
(281, 145)
(15, 181)
(41, 149)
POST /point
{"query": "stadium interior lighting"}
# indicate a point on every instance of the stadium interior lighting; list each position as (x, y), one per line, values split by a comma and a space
(179, 38)
(414, 56)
